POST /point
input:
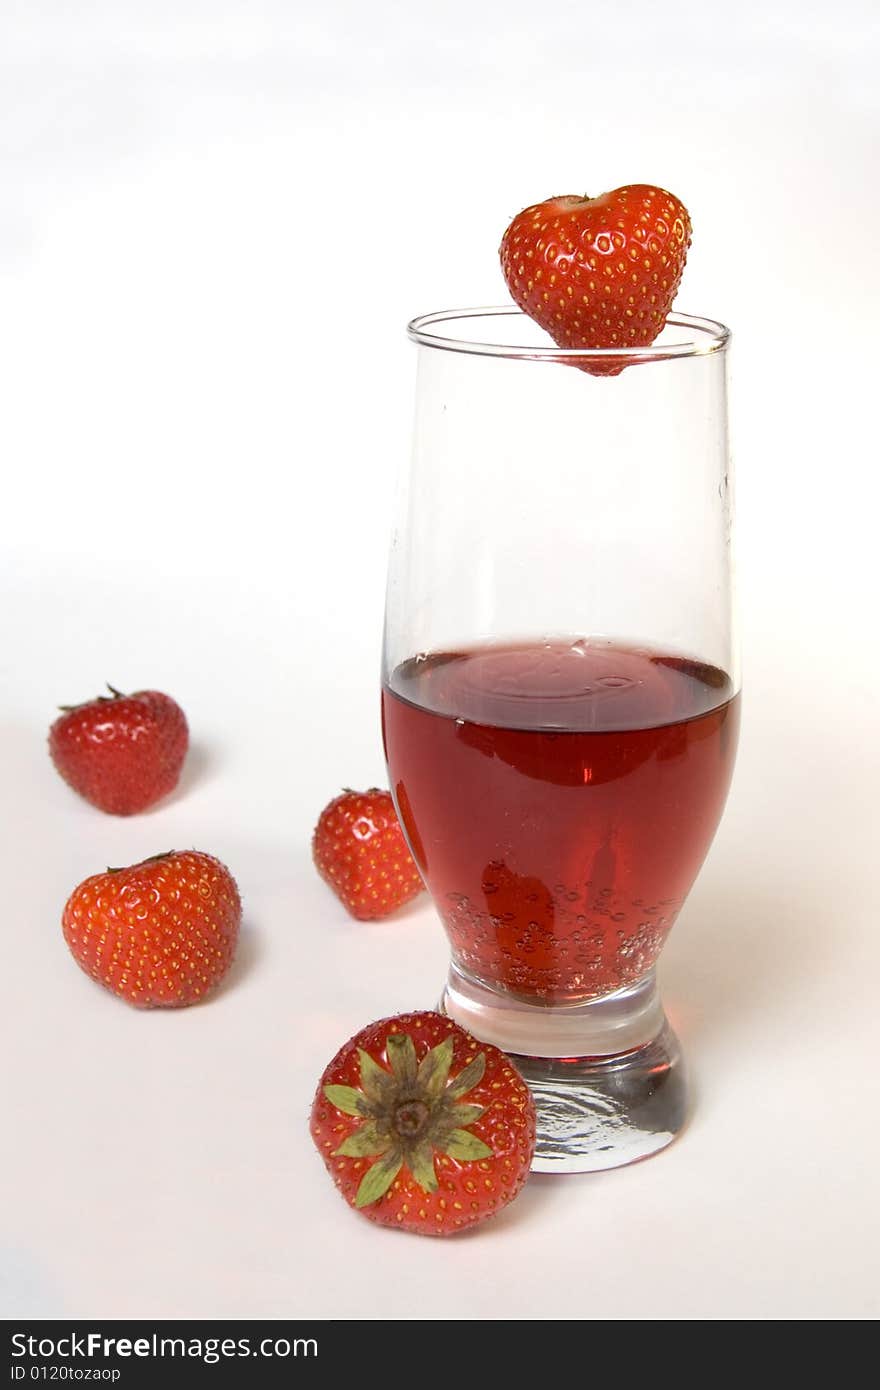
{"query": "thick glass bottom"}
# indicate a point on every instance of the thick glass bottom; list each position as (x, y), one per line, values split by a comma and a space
(607, 1076)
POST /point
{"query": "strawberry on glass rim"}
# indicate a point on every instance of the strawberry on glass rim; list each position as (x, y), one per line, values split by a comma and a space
(598, 272)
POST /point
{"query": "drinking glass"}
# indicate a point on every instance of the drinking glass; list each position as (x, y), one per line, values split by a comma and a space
(560, 697)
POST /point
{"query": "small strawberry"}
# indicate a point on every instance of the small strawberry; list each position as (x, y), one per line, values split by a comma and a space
(598, 272)
(422, 1127)
(121, 752)
(160, 934)
(359, 849)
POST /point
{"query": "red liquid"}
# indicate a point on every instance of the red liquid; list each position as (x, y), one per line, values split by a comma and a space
(559, 800)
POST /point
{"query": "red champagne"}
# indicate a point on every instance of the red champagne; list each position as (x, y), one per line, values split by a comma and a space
(559, 799)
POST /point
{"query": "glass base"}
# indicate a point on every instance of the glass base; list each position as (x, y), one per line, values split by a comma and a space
(607, 1075)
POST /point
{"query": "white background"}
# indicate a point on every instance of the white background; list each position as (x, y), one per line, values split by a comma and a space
(215, 219)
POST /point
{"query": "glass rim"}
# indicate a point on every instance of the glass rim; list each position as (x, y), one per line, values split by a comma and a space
(707, 336)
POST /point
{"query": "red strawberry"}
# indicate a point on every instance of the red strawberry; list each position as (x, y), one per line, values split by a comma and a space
(359, 849)
(598, 272)
(121, 752)
(422, 1127)
(161, 933)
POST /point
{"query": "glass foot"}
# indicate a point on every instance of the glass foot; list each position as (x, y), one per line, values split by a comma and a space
(607, 1076)
(603, 1112)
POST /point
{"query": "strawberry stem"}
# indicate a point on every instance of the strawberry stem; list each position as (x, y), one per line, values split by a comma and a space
(104, 699)
(153, 859)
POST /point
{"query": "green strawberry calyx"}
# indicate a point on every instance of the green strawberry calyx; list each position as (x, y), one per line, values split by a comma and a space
(409, 1113)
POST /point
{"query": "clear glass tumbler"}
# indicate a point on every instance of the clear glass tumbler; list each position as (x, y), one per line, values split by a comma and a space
(561, 697)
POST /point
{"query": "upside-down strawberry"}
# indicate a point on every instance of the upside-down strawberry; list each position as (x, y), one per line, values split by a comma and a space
(422, 1127)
